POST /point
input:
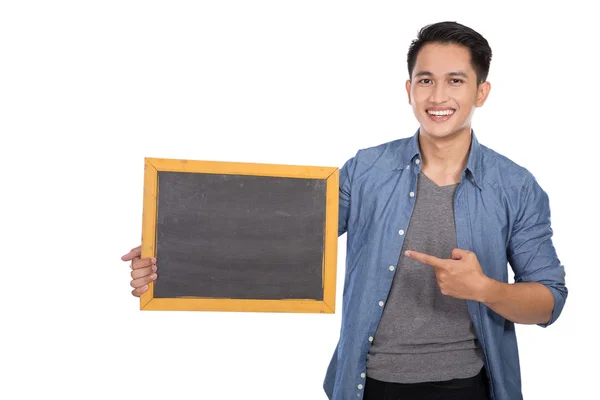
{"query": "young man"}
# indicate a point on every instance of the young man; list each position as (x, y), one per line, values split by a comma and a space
(433, 220)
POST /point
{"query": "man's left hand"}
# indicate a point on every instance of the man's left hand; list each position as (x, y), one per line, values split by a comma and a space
(460, 277)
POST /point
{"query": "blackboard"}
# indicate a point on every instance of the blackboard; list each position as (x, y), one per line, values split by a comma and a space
(239, 236)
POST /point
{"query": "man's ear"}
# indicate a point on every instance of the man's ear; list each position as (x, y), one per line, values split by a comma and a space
(408, 84)
(483, 91)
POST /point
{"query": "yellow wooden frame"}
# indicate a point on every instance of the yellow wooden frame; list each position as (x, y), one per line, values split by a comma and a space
(330, 174)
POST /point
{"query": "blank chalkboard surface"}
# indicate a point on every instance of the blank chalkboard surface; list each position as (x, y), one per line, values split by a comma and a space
(240, 237)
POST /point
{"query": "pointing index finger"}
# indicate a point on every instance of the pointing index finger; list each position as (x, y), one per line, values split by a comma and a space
(425, 258)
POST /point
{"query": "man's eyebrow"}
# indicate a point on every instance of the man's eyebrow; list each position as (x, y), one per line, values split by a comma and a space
(458, 73)
(423, 73)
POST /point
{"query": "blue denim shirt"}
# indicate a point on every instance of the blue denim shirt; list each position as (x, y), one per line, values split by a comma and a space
(501, 214)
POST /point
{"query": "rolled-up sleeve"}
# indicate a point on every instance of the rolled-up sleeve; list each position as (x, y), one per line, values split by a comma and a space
(531, 252)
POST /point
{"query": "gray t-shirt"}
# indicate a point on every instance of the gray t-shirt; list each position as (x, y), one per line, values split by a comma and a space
(424, 335)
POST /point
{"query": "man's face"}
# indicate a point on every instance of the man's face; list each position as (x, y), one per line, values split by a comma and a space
(443, 90)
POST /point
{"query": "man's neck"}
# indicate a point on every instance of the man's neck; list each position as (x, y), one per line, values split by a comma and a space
(445, 159)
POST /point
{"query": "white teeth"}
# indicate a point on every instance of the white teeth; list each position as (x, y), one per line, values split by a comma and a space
(439, 113)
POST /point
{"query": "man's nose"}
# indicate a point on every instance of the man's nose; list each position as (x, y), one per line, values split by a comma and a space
(438, 94)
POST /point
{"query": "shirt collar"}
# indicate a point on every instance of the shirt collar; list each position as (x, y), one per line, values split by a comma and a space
(407, 156)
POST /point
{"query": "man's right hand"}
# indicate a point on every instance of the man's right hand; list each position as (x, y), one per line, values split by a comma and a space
(143, 270)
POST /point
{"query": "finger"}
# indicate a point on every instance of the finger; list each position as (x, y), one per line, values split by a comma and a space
(142, 263)
(133, 253)
(138, 283)
(425, 258)
(139, 291)
(142, 272)
(459, 254)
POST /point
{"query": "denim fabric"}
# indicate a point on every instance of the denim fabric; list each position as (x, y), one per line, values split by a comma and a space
(501, 214)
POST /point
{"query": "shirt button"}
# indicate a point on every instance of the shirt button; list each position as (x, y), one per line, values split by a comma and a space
(381, 304)
(391, 268)
(417, 161)
(412, 194)
(363, 375)
(370, 338)
(400, 232)
(360, 386)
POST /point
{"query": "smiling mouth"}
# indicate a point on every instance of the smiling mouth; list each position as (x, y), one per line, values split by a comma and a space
(440, 115)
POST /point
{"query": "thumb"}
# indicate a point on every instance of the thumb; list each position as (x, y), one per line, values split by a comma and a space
(459, 254)
(133, 253)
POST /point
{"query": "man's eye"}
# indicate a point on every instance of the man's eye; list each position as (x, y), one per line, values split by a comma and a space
(456, 81)
(426, 81)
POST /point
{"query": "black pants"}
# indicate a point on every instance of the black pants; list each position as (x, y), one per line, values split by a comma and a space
(475, 388)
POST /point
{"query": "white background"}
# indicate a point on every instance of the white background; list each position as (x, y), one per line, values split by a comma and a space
(90, 88)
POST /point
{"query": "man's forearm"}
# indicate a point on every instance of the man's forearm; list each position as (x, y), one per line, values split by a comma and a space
(521, 303)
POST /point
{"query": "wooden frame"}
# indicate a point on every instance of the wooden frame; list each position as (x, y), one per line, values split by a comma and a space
(329, 264)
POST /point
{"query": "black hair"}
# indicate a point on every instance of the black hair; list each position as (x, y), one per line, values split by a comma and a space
(454, 33)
